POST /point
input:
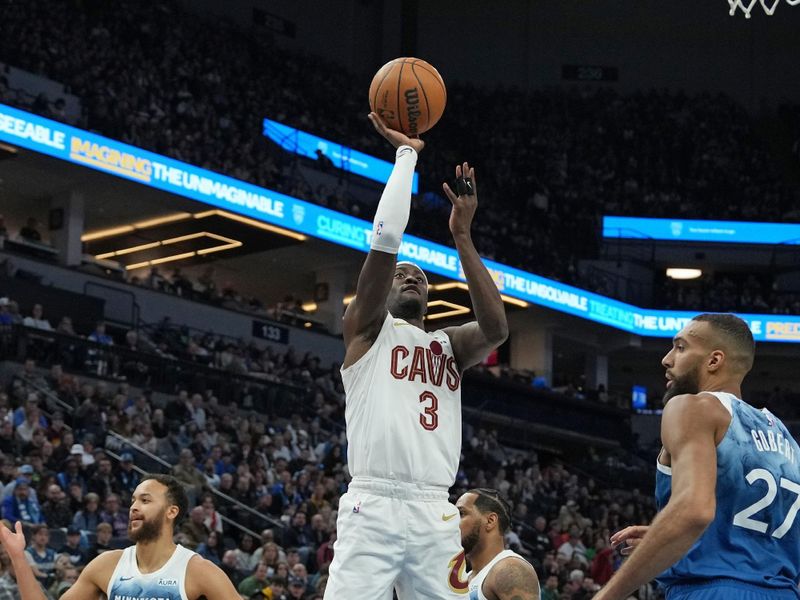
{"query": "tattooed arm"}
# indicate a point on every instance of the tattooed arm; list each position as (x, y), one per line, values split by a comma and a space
(512, 579)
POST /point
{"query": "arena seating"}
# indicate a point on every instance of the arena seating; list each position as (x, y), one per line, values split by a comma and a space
(565, 157)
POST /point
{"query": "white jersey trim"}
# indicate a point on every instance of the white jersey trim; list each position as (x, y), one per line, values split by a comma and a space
(115, 573)
(725, 398)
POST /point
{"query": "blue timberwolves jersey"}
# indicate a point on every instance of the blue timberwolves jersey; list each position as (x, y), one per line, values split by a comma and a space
(128, 583)
(754, 537)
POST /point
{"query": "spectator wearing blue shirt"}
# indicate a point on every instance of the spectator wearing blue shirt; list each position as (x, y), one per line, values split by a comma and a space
(21, 505)
(5, 317)
(100, 336)
(88, 518)
(95, 358)
(31, 406)
(71, 474)
(212, 549)
(127, 477)
(24, 472)
(41, 557)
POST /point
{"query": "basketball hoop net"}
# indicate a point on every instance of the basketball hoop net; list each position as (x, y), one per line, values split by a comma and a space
(747, 6)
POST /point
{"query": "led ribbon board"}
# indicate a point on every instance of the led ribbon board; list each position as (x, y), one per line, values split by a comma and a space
(83, 148)
(687, 230)
(342, 157)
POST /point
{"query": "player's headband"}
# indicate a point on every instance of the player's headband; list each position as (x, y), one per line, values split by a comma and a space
(416, 266)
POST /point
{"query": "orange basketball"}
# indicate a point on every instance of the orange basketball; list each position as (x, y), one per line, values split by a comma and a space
(408, 94)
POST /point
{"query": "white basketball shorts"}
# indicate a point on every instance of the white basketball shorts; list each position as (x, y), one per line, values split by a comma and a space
(397, 535)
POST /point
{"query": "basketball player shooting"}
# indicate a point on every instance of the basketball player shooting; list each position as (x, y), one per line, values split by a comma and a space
(497, 573)
(395, 525)
(727, 481)
(154, 567)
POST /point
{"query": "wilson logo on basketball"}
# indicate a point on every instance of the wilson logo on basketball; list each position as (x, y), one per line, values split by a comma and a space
(412, 110)
(457, 580)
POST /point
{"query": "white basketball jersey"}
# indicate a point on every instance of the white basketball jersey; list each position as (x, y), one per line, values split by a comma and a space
(168, 583)
(404, 407)
(476, 581)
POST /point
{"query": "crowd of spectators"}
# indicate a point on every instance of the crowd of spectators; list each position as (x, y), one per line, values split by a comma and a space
(60, 479)
(728, 292)
(182, 87)
(70, 439)
(40, 103)
(289, 464)
(197, 91)
(205, 288)
(134, 355)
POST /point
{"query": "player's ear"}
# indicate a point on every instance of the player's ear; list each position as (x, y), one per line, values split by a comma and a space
(715, 360)
(172, 511)
(491, 521)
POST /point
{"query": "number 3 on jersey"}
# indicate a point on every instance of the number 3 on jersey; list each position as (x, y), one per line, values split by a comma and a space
(429, 418)
(743, 517)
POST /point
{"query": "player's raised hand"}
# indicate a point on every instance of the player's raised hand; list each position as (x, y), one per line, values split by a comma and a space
(395, 138)
(464, 200)
(14, 543)
(632, 536)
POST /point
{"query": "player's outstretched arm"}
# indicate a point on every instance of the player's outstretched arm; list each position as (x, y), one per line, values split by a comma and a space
(14, 543)
(473, 341)
(206, 580)
(29, 588)
(365, 314)
(512, 579)
(690, 427)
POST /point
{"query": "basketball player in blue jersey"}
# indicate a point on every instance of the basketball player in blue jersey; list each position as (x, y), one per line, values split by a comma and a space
(497, 573)
(395, 525)
(155, 567)
(727, 484)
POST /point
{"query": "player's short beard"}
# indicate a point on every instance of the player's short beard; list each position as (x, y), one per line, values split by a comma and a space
(407, 309)
(149, 531)
(469, 541)
(685, 384)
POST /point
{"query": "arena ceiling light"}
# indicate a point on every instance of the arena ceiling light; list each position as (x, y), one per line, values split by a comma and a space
(146, 224)
(436, 287)
(681, 273)
(459, 285)
(455, 310)
(181, 216)
(8, 151)
(228, 244)
(252, 223)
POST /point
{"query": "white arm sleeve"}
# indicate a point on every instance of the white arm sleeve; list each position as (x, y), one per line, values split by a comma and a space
(391, 217)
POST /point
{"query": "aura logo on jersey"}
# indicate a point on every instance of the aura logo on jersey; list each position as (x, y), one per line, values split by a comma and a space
(457, 580)
(425, 366)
